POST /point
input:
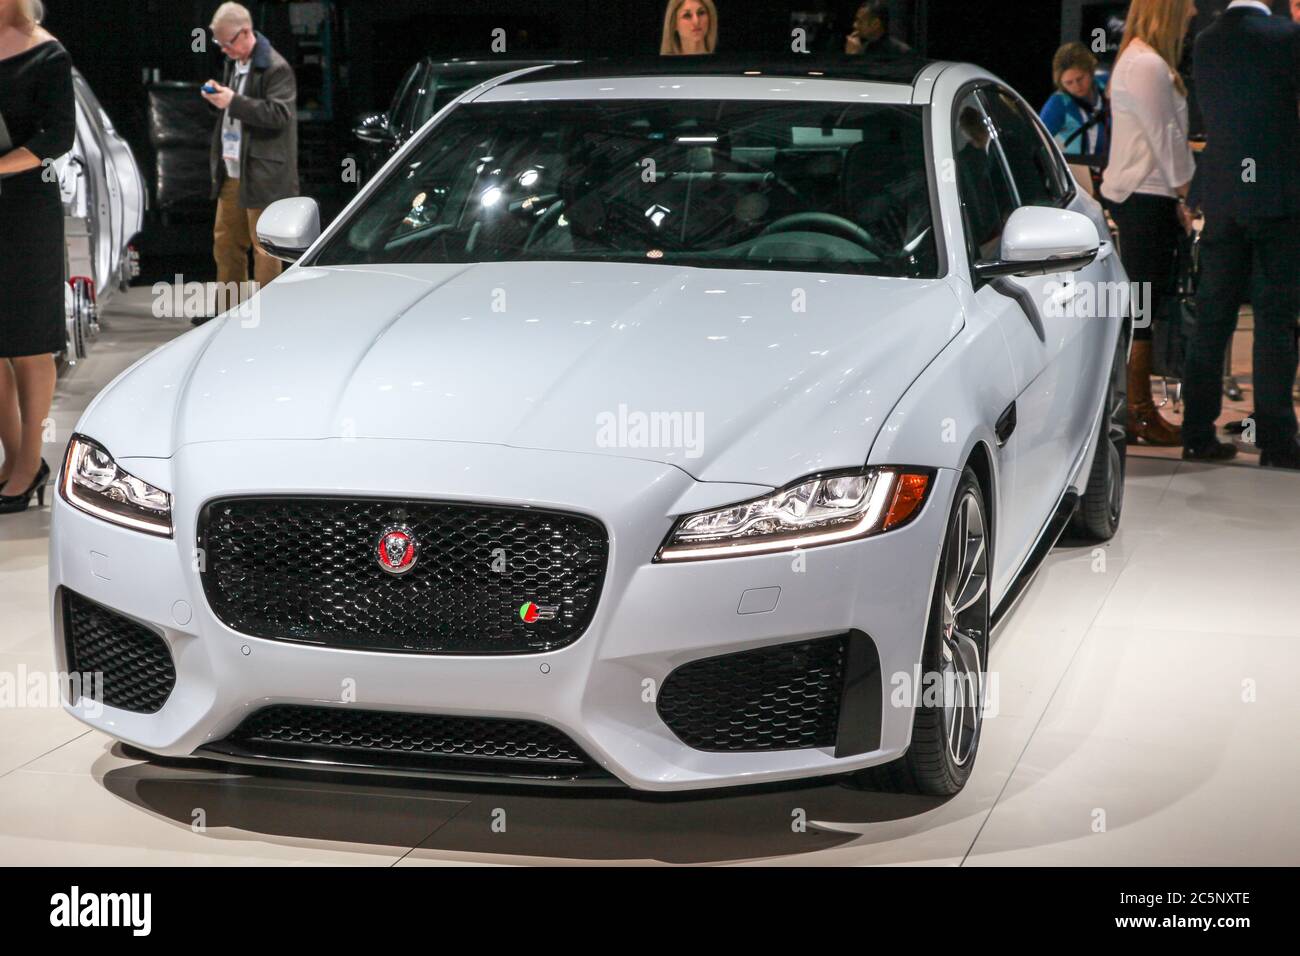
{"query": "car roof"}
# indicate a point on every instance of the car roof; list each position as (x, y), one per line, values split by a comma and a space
(878, 79)
(877, 69)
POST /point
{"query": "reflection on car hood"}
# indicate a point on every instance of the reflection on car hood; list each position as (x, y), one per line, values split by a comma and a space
(744, 376)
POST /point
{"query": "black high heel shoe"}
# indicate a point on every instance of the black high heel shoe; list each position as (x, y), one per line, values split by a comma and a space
(12, 504)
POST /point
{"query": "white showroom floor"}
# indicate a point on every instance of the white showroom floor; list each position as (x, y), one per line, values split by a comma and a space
(1145, 716)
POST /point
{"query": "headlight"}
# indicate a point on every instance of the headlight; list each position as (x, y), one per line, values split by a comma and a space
(94, 483)
(826, 509)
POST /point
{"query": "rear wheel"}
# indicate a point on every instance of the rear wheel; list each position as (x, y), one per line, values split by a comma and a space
(1098, 514)
(948, 714)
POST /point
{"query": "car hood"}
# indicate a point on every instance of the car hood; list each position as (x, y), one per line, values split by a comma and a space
(743, 376)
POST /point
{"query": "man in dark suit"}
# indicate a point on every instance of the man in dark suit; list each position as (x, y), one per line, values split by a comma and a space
(1247, 74)
(870, 34)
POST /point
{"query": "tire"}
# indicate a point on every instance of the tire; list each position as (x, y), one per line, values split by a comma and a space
(1097, 517)
(79, 326)
(82, 318)
(946, 732)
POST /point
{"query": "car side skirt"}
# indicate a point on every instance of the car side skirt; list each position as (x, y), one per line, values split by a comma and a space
(1047, 539)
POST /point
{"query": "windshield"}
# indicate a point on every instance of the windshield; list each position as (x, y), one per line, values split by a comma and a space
(824, 187)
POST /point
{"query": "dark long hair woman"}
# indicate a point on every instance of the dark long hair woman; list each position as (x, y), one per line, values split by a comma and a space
(39, 124)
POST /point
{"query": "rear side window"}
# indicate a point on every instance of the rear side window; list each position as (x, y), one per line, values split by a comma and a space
(1033, 163)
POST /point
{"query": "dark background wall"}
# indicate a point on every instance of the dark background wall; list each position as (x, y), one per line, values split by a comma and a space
(114, 42)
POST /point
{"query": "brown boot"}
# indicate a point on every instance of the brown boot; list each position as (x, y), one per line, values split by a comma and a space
(1144, 421)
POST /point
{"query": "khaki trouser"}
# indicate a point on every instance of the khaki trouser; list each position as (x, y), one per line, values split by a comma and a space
(232, 235)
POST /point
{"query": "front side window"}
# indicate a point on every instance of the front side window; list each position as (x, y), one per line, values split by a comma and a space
(825, 187)
(987, 199)
(1033, 163)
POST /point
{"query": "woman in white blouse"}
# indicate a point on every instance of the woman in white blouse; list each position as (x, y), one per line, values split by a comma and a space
(1147, 179)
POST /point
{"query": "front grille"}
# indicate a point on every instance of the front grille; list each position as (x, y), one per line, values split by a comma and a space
(136, 664)
(785, 697)
(381, 739)
(305, 569)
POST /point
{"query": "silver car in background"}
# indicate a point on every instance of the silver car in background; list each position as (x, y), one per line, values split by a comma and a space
(104, 200)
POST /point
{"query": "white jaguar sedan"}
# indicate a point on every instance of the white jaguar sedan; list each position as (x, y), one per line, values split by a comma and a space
(672, 426)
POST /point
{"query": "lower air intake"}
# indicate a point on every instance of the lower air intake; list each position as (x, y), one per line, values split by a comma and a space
(785, 697)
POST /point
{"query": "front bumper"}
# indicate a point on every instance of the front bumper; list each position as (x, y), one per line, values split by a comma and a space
(600, 690)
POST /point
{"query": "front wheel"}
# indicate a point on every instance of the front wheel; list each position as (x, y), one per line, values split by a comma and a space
(948, 707)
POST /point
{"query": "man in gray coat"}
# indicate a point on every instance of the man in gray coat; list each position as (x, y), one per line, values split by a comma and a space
(254, 154)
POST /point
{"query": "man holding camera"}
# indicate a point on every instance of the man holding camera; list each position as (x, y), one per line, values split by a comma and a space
(254, 153)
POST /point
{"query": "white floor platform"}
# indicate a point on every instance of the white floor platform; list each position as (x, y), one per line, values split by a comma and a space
(1146, 717)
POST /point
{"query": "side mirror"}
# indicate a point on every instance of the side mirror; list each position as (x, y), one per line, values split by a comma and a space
(1038, 240)
(375, 130)
(288, 227)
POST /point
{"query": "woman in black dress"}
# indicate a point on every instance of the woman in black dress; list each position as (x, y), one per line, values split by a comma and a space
(39, 124)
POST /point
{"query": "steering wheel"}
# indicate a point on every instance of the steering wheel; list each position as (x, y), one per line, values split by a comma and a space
(823, 222)
(535, 233)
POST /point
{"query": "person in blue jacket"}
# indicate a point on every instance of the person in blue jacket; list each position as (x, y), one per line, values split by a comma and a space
(1079, 98)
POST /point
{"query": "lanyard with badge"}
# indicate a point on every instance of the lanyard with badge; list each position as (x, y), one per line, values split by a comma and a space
(230, 137)
(231, 131)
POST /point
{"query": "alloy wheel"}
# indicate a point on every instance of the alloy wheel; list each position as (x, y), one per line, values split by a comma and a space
(965, 622)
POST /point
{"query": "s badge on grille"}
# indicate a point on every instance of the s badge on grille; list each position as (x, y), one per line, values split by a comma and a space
(531, 613)
(396, 550)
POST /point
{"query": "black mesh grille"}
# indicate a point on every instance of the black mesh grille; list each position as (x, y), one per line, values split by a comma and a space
(785, 697)
(137, 668)
(306, 569)
(389, 739)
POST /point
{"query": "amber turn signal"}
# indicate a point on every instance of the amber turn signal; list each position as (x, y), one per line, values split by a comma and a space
(909, 493)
